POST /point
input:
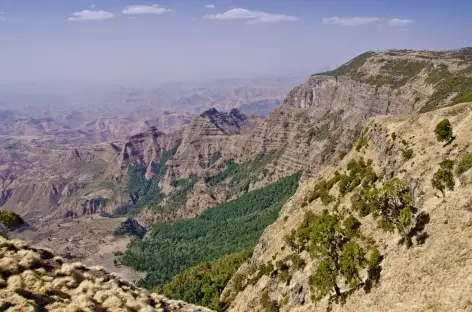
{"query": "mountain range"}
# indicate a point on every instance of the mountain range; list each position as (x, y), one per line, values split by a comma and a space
(363, 141)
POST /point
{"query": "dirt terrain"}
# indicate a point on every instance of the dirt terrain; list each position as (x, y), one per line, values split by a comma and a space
(89, 239)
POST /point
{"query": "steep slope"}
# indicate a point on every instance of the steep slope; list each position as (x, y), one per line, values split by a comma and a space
(429, 275)
(319, 120)
(34, 279)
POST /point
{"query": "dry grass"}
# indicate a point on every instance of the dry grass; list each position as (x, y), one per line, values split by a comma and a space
(431, 276)
(35, 280)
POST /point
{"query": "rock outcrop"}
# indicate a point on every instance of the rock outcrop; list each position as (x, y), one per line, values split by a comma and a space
(33, 279)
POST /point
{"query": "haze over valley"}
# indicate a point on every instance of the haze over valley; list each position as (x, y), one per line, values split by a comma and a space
(289, 156)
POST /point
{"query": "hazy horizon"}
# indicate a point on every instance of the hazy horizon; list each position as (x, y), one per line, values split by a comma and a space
(145, 43)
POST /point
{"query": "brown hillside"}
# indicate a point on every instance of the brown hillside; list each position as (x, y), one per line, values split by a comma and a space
(432, 275)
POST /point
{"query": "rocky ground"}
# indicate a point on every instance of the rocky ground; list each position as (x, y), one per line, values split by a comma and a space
(88, 239)
(34, 279)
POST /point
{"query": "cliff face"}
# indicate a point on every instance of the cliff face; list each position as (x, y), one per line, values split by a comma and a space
(33, 279)
(428, 276)
(319, 120)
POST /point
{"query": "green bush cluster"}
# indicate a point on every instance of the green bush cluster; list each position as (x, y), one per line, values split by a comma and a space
(321, 190)
(464, 164)
(318, 133)
(240, 176)
(143, 192)
(10, 220)
(444, 178)
(330, 240)
(443, 131)
(268, 304)
(283, 269)
(170, 248)
(358, 172)
(203, 284)
(179, 196)
(362, 142)
(407, 153)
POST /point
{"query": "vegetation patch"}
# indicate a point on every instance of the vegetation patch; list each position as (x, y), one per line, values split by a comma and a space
(269, 304)
(443, 131)
(396, 73)
(170, 248)
(362, 142)
(351, 68)
(240, 176)
(10, 220)
(464, 164)
(446, 84)
(130, 227)
(318, 134)
(203, 284)
(407, 153)
(444, 178)
(327, 239)
(179, 196)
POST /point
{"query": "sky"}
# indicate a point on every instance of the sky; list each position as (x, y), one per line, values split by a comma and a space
(143, 43)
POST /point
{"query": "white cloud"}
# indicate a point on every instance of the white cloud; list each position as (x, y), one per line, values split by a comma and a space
(93, 6)
(252, 17)
(400, 22)
(209, 6)
(350, 21)
(144, 9)
(2, 15)
(88, 15)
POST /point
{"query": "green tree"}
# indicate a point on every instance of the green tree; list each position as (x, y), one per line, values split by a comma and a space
(351, 260)
(395, 204)
(443, 131)
(464, 164)
(327, 239)
(203, 284)
(444, 178)
(10, 220)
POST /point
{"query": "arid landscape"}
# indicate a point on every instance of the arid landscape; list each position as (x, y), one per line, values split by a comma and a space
(193, 157)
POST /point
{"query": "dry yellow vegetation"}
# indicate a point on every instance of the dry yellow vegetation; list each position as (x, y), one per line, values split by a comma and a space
(33, 279)
(432, 275)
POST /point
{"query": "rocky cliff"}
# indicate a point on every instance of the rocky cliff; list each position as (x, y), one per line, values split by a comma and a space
(424, 275)
(33, 279)
(319, 120)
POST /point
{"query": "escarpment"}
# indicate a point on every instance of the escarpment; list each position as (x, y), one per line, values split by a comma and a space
(219, 155)
(420, 263)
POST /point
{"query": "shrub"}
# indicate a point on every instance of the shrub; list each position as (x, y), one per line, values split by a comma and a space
(444, 178)
(407, 153)
(362, 142)
(268, 304)
(358, 172)
(374, 268)
(443, 131)
(352, 226)
(395, 205)
(325, 238)
(351, 261)
(10, 220)
(464, 164)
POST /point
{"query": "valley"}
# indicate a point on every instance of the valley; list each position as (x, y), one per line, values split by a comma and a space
(223, 205)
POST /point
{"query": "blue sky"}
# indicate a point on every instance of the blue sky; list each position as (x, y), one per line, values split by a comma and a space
(141, 43)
